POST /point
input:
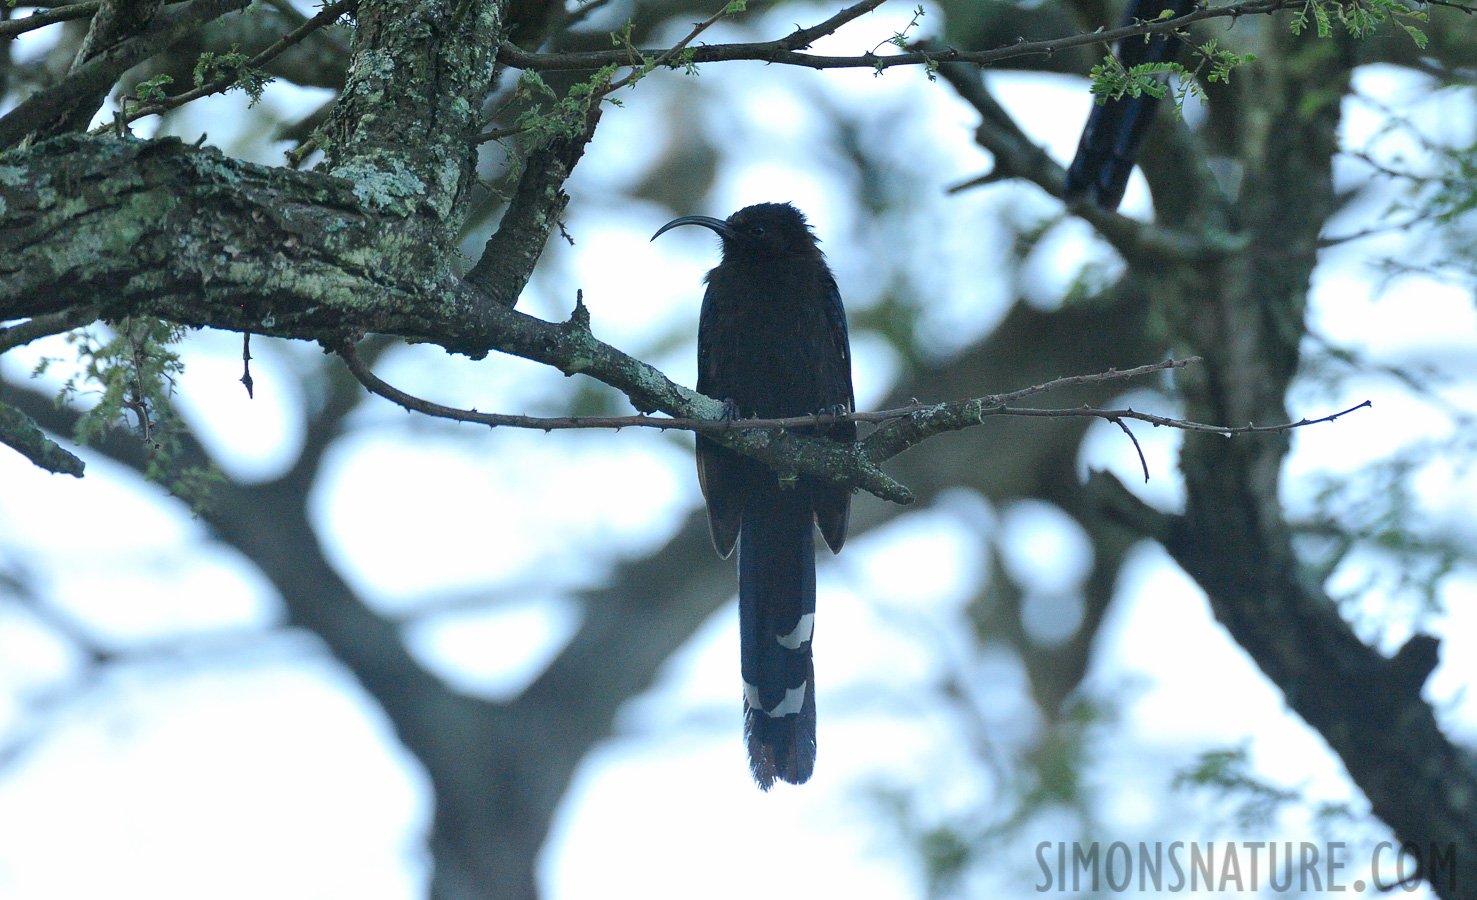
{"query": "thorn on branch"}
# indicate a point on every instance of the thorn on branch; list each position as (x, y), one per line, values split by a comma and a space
(246, 364)
(579, 318)
(991, 177)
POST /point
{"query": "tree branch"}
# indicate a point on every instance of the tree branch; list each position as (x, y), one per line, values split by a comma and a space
(45, 326)
(513, 250)
(1017, 156)
(785, 50)
(783, 452)
(678, 47)
(98, 74)
(325, 17)
(18, 432)
(43, 17)
(994, 404)
(855, 465)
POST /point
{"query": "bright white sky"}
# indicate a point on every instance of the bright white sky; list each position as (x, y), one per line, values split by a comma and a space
(248, 765)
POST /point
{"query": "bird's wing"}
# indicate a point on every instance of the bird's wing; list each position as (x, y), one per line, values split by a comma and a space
(833, 504)
(718, 471)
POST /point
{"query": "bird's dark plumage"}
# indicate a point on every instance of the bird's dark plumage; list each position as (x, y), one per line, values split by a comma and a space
(1116, 128)
(772, 342)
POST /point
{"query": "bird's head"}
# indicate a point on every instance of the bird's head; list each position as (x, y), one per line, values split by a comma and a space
(764, 230)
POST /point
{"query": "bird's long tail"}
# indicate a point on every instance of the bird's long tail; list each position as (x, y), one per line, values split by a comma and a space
(1116, 129)
(776, 620)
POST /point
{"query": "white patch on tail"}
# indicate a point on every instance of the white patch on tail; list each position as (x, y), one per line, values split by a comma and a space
(794, 700)
(802, 633)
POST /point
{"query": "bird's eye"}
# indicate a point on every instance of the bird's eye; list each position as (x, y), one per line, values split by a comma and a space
(757, 229)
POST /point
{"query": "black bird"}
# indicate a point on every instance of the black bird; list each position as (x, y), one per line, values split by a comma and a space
(1116, 128)
(772, 342)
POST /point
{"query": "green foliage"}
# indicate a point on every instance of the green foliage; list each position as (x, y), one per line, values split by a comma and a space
(1360, 18)
(132, 371)
(1378, 513)
(899, 40)
(1225, 773)
(1455, 194)
(566, 117)
(1112, 81)
(1215, 64)
(153, 89)
(622, 39)
(233, 68)
(542, 122)
(146, 92)
(1043, 781)
(135, 370)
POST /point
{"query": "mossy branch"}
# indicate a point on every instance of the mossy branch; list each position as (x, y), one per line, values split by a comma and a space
(18, 432)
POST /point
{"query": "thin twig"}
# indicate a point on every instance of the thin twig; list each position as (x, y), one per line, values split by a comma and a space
(785, 50)
(327, 16)
(899, 428)
(1165, 421)
(640, 67)
(375, 385)
(1110, 375)
(140, 403)
(165, 29)
(978, 408)
(1143, 462)
(1373, 231)
(676, 48)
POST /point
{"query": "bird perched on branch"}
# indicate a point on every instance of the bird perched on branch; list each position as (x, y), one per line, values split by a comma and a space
(772, 343)
(1116, 128)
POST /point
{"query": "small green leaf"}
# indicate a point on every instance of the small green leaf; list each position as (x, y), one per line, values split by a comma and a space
(153, 89)
(232, 67)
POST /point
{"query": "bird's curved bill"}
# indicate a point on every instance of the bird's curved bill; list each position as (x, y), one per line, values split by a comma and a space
(717, 225)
